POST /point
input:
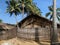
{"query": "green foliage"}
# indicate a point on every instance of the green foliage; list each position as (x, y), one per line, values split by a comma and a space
(1, 21)
(51, 13)
(29, 7)
(58, 13)
(13, 7)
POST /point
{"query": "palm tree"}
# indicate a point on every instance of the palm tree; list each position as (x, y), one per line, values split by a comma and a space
(27, 6)
(51, 13)
(13, 8)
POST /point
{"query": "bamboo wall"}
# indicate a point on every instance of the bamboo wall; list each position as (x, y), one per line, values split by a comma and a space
(41, 34)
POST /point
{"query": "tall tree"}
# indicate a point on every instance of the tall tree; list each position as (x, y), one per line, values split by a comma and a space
(13, 8)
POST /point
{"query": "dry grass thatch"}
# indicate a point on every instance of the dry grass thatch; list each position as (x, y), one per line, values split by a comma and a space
(6, 26)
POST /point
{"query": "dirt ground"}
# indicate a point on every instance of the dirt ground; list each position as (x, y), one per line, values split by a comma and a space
(16, 41)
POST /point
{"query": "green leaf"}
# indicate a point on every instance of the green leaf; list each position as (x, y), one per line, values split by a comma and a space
(47, 14)
(51, 16)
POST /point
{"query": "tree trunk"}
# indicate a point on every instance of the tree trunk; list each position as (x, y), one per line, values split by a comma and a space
(54, 35)
(17, 25)
(22, 9)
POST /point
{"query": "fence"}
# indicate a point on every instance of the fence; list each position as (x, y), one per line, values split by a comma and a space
(41, 34)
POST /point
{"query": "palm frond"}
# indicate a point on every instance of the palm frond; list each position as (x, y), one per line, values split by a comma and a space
(51, 17)
(47, 14)
(50, 8)
(13, 7)
(58, 18)
(58, 9)
(1, 21)
(7, 2)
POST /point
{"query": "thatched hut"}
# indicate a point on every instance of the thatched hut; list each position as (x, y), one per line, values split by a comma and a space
(36, 28)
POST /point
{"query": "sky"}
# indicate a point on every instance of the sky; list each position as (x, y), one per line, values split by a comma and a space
(41, 4)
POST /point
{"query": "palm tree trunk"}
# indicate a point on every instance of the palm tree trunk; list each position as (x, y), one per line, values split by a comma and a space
(17, 25)
(22, 8)
(54, 33)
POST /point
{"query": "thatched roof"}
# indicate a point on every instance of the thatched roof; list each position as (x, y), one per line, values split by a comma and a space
(6, 26)
(40, 17)
(26, 18)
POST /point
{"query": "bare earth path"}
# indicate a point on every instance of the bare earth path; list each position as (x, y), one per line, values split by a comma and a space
(16, 41)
